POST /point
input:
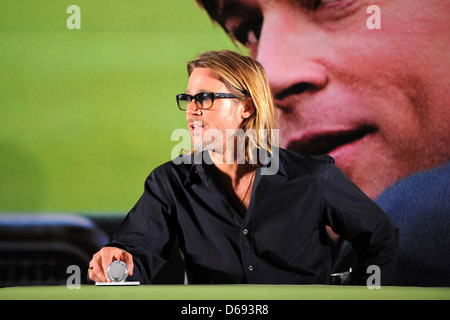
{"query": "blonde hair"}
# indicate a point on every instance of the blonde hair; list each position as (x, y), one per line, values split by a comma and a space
(246, 78)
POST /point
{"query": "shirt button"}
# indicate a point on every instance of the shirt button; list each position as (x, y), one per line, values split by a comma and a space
(250, 268)
(245, 231)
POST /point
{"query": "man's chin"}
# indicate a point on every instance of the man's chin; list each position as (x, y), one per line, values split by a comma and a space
(203, 147)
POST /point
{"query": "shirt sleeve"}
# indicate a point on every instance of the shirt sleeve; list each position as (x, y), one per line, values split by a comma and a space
(359, 220)
(147, 231)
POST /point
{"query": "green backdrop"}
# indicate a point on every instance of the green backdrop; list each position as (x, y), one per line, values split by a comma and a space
(87, 114)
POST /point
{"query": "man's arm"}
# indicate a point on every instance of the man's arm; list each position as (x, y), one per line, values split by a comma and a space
(354, 216)
(144, 238)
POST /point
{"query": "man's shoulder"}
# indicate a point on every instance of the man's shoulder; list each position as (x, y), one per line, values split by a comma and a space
(297, 156)
(300, 164)
(181, 165)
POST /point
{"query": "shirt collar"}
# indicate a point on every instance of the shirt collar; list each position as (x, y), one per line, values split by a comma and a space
(197, 170)
(200, 161)
(274, 164)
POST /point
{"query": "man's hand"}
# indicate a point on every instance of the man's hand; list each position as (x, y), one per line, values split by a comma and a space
(101, 260)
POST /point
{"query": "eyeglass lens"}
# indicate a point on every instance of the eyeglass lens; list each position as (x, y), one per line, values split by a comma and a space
(203, 100)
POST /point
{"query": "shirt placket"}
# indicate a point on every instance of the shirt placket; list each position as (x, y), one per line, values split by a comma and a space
(249, 259)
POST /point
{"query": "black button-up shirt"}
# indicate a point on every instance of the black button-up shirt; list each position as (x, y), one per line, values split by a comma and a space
(280, 239)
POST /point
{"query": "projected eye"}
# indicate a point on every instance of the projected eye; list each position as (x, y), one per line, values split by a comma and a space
(334, 9)
(248, 32)
(315, 4)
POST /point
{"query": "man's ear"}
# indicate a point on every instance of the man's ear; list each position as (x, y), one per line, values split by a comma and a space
(249, 108)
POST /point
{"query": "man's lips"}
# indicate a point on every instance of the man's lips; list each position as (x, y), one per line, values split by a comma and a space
(196, 125)
(324, 142)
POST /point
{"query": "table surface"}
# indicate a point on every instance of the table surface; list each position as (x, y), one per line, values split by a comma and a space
(223, 292)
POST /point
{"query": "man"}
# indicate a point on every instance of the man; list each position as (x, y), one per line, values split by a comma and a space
(235, 222)
(376, 100)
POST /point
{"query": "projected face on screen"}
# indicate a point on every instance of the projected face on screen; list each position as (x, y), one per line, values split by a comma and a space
(369, 88)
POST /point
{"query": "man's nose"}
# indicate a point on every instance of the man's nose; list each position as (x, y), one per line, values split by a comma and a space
(192, 108)
(290, 51)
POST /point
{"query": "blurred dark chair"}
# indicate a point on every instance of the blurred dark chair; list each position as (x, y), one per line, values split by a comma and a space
(36, 249)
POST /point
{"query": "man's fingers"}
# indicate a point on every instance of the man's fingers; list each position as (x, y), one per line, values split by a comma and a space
(101, 260)
(98, 263)
(107, 258)
(94, 267)
(128, 259)
(96, 273)
(97, 277)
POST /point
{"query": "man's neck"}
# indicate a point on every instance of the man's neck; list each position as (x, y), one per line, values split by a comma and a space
(233, 171)
(237, 180)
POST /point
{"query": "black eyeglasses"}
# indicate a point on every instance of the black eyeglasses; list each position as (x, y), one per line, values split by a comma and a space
(203, 100)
